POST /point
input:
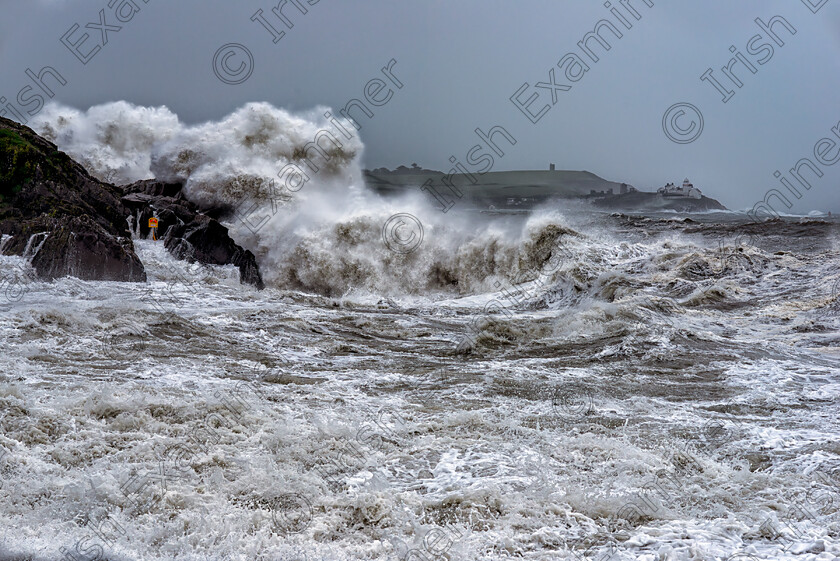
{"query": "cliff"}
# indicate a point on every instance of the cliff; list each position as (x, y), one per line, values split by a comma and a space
(71, 224)
(83, 222)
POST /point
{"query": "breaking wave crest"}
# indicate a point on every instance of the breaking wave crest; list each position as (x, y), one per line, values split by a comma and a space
(320, 228)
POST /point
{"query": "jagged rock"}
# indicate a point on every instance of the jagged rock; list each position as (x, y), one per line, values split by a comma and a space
(85, 223)
(42, 190)
(79, 247)
(187, 232)
(205, 240)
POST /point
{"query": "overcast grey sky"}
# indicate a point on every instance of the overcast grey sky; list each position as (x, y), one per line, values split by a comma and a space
(461, 61)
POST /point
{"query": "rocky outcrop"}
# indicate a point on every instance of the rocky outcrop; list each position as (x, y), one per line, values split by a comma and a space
(205, 240)
(54, 212)
(70, 223)
(185, 230)
(77, 246)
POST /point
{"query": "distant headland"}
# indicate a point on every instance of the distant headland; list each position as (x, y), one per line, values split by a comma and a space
(526, 189)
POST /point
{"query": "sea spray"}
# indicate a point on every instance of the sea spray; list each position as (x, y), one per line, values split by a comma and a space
(324, 235)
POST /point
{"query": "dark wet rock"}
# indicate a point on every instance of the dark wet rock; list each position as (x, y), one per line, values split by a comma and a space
(205, 240)
(79, 247)
(83, 224)
(187, 231)
(69, 223)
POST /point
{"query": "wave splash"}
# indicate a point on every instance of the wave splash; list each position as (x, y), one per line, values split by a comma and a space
(323, 235)
(328, 234)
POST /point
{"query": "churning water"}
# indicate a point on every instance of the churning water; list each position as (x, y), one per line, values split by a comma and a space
(539, 387)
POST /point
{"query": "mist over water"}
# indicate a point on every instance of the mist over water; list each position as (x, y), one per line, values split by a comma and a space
(563, 384)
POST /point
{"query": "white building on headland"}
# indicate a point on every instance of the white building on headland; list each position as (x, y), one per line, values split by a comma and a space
(686, 191)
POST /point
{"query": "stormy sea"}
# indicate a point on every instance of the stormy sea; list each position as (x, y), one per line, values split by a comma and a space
(555, 384)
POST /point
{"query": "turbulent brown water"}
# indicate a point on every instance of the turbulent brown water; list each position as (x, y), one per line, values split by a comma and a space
(662, 388)
(558, 384)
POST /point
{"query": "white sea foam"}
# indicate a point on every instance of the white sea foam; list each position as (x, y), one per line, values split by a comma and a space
(653, 389)
(325, 235)
(566, 428)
